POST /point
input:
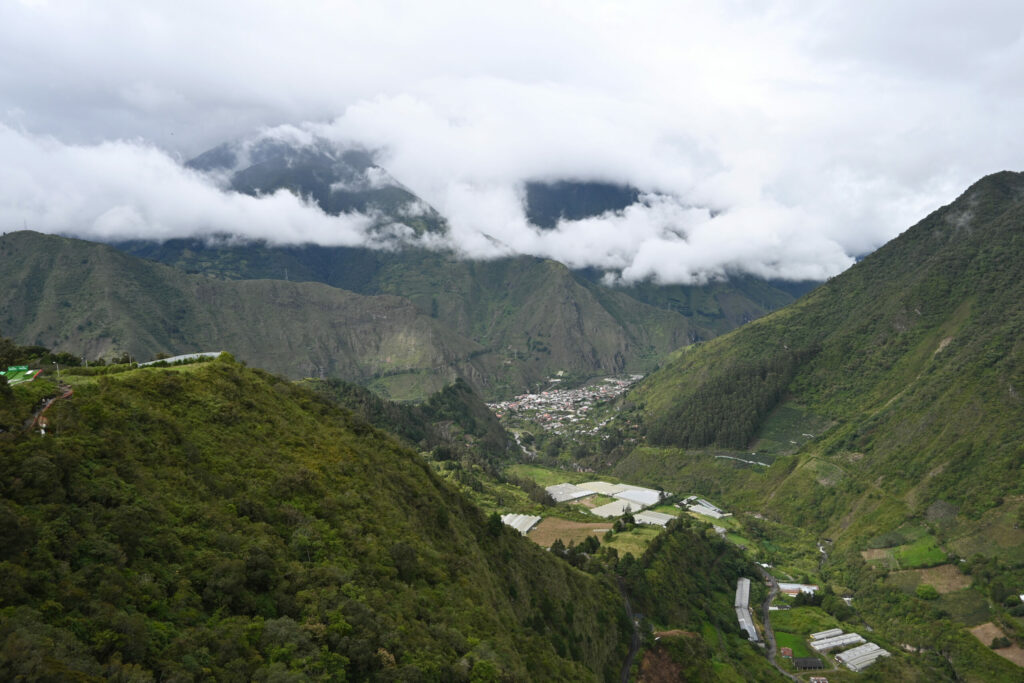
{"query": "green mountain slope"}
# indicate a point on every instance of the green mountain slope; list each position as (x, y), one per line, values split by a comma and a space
(92, 300)
(508, 324)
(906, 372)
(535, 317)
(211, 521)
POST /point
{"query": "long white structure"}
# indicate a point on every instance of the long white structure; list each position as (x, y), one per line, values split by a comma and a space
(651, 517)
(860, 658)
(187, 356)
(603, 487)
(743, 614)
(742, 592)
(706, 511)
(565, 492)
(836, 642)
(747, 623)
(521, 523)
(616, 508)
(830, 633)
(640, 496)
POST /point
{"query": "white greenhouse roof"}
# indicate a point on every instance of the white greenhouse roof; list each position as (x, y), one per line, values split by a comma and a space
(641, 496)
(564, 492)
(603, 487)
(650, 517)
(521, 523)
(614, 509)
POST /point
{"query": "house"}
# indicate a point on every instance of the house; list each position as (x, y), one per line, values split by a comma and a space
(786, 652)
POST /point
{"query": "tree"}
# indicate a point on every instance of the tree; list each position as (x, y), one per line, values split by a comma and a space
(494, 524)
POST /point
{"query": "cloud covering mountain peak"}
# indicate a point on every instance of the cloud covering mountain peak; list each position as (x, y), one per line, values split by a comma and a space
(781, 140)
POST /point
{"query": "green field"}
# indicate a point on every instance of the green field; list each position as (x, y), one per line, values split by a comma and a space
(548, 476)
(803, 620)
(790, 640)
(924, 552)
(634, 541)
(967, 606)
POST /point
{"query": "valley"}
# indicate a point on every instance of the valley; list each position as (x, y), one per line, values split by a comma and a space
(854, 455)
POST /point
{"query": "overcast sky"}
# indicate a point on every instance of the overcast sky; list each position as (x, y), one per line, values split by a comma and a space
(780, 139)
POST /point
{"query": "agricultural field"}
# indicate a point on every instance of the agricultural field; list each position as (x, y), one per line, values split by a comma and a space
(797, 643)
(968, 606)
(920, 553)
(634, 541)
(552, 528)
(945, 578)
(803, 620)
(924, 552)
(997, 531)
(548, 476)
(987, 632)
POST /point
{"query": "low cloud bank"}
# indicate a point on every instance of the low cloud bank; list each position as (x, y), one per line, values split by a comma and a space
(131, 190)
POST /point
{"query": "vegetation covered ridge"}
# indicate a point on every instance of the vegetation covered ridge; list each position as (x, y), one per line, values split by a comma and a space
(211, 520)
(915, 356)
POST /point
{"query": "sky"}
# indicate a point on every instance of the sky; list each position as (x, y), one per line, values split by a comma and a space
(780, 139)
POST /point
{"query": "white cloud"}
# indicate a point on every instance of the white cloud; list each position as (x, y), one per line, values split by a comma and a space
(815, 131)
(123, 189)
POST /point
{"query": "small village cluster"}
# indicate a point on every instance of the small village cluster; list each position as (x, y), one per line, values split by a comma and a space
(562, 410)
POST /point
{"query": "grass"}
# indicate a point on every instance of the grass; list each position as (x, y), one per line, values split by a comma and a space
(547, 476)
(996, 532)
(967, 606)
(785, 430)
(803, 620)
(634, 541)
(740, 541)
(924, 552)
(945, 578)
(795, 642)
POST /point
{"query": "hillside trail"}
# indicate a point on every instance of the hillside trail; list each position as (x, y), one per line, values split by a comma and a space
(31, 423)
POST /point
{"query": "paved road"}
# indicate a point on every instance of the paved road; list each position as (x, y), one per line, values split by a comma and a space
(635, 645)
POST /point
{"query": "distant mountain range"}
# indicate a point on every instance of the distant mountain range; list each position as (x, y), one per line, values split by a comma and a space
(404, 322)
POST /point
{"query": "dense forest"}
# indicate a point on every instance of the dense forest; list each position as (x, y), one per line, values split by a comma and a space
(216, 521)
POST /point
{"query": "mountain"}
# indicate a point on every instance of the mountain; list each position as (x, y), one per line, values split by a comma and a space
(898, 384)
(547, 203)
(215, 521)
(338, 180)
(92, 300)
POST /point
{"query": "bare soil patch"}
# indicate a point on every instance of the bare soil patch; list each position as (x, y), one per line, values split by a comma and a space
(875, 554)
(675, 632)
(945, 578)
(551, 528)
(657, 667)
(987, 632)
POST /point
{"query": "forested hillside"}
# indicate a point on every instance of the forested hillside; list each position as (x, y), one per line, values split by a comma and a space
(215, 521)
(502, 326)
(907, 371)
